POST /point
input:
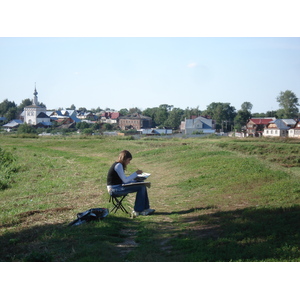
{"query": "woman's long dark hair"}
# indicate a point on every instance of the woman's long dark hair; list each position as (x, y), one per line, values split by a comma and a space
(124, 155)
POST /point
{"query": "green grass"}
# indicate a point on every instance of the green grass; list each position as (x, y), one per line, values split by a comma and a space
(215, 199)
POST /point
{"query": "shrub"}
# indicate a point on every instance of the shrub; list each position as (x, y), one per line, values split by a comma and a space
(88, 131)
(25, 128)
(7, 168)
(198, 132)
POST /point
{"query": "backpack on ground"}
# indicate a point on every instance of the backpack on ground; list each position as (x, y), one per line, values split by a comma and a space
(93, 214)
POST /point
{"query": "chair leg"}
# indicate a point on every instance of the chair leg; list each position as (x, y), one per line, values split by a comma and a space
(118, 203)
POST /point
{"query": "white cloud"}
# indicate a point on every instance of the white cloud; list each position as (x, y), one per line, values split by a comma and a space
(192, 65)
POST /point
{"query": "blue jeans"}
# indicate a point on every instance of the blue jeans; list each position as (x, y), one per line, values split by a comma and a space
(141, 197)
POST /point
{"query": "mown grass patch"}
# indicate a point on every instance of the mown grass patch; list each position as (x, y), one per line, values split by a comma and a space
(250, 234)
(282, 151)
(89, 242)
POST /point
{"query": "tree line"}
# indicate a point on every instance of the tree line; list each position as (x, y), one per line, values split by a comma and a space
(225, 115)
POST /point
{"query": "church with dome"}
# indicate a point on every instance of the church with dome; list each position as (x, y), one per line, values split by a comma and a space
(35, 114)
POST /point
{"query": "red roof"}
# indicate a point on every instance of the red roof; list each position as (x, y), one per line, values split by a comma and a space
(115, 115)
(111, 115)
(263, 121)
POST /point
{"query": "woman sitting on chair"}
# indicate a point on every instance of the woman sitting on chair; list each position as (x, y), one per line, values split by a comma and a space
(116, 178)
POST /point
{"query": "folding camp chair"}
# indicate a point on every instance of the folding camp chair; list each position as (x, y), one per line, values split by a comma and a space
(117, 202)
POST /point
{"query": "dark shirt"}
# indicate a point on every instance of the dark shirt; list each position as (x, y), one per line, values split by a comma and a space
(112, 176)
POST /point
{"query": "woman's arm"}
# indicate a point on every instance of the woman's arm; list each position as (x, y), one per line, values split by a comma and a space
(119, 169)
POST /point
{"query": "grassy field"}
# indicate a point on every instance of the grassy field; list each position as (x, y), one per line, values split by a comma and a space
(216, 200)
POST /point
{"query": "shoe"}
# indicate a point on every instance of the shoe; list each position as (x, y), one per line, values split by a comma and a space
(150, 211)
(147, 212)
(143, 213)
(134, 214)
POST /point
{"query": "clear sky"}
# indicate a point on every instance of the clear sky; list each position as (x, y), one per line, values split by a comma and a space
(116, 71)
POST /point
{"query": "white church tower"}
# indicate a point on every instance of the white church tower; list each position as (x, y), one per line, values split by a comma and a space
(35, 99)
(34, 114)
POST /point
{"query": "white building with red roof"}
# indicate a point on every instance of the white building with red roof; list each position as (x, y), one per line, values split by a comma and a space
(256, 126)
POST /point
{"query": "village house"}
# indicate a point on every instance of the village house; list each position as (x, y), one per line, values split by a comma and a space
(276, 128)
(135, 121)
(110, 117)
(61, 115)
(279, 128)
(14, 124)
(86, 116)
(289, 122)
(294, 131)
(197, 125)
(256, 126)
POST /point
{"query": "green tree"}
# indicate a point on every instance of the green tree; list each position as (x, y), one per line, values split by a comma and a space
(288, 103)
(258, 115)
(243, 115)
(241, 119)
(174, 118)
(124, 111)
(246, 106)
(82, 125)
(72, 107)
(134, 110)
(11, 113)
(151, 112)
(96, 126)
(108, 127)
(167, 107)
(95, 110)
(271, 113)
(42, 104)
(161, 114)
(189, 112)
(222, 113)
(8, 109)
(24, 103)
